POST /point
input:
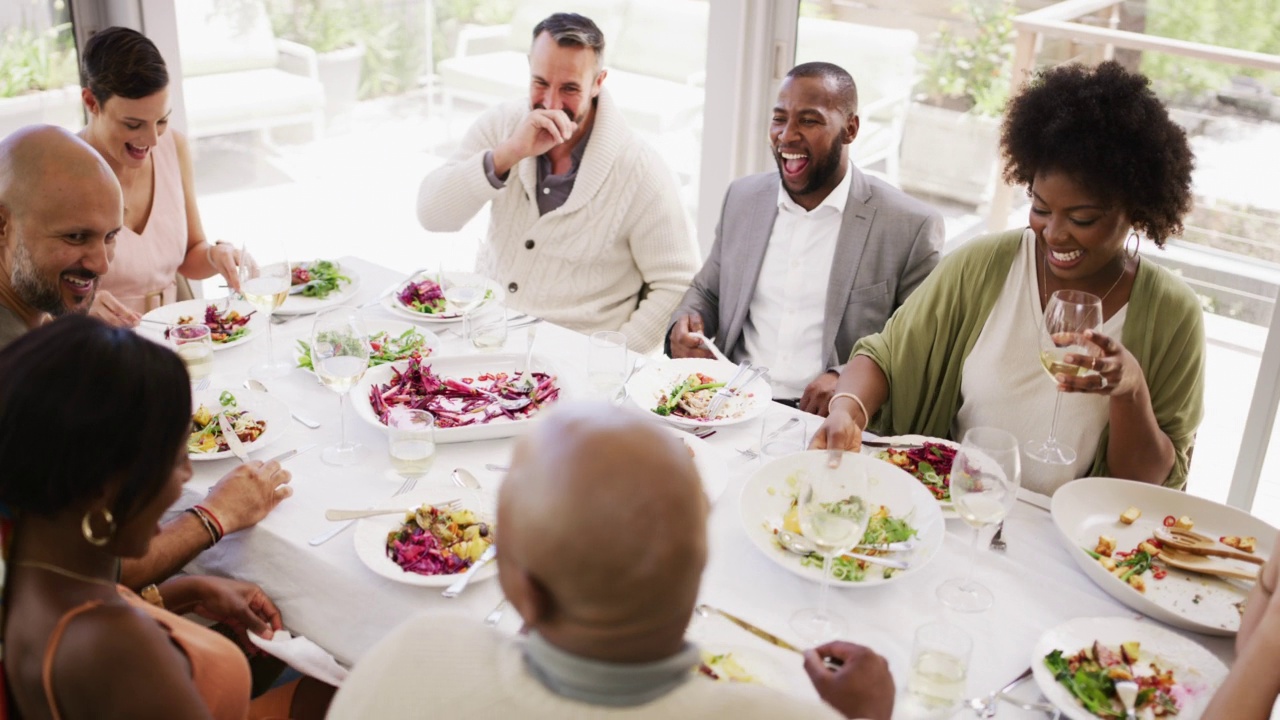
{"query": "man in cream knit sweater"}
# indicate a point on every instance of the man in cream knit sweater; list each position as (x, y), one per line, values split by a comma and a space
(586, 228)
(602, 527)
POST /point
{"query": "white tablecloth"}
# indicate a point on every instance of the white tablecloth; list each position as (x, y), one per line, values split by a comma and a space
(326, 594)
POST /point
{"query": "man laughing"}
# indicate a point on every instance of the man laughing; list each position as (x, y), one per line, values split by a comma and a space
(60, 210)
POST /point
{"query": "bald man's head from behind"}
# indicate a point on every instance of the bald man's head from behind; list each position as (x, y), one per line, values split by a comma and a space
(60, 210)
(602, 534)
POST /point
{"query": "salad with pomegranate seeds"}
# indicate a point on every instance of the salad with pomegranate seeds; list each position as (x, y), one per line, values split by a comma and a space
(1091, 675)
(457, 402)
(223, 327)
(930, 464)
(316, 279)
(383, 346)
(206, 431)
(438, 541)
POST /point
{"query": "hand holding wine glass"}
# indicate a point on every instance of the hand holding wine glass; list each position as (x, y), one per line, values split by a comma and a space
(1067, 316)
(340, 355)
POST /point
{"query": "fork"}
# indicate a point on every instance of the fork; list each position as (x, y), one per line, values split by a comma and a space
(701, 433)
(997, 542)
(751, 453)
(203, 384)
(495, 615)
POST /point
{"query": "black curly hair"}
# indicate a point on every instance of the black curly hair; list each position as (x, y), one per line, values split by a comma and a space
(1106, 129)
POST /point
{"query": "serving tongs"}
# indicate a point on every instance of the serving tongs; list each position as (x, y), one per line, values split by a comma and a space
(1182, 560)
(1197, 544)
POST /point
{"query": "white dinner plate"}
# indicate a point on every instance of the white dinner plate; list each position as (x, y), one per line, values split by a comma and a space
(169, 314)
(395, 328)
(767, 496)
(1086, 508)
(260, 406)
(647, 387)
(303, 305)
(370, 536)
(461, 366)
(1194, 667)
(392, 300)
(948, 510)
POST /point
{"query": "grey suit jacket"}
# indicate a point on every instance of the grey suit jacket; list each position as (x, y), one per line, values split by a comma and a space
(888, 243)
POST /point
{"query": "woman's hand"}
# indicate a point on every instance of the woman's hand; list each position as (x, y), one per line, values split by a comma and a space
(240, 605)
(226, 261)
(108, 309)
(1118, 372)
(838, 432)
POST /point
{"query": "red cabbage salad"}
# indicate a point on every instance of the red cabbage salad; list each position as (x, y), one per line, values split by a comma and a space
(223, 329)
(458, 402)
(930, 464)
(434, 541)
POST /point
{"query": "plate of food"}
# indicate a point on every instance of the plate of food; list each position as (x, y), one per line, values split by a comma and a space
(230, 324)
(389, 341)
(680, 392)
(1109, 528)
(902, 510)
(257, 418)
(1078, 663)
(472, 397)
(436, 539)
(441, 297)
(317, 285)
(926, 458)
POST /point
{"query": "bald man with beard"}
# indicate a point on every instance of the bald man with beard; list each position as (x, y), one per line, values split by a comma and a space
(60, 210)
(601, 527)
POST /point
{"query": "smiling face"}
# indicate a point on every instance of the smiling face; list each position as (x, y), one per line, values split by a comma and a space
(1083, 235)
(124, 130)
(810, 136)
(565, 78)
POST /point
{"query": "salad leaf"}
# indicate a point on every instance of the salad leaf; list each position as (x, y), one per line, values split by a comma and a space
(226, 399)
(321, 278)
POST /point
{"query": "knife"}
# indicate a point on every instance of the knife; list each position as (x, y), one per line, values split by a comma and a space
(889, 444)
(762, 634)
(233, 442)
(290, 453)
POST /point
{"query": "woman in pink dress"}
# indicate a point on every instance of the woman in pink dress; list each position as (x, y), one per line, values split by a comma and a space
(126, 93)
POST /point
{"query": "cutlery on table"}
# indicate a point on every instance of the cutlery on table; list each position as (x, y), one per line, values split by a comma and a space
(706, 343)
(392, 288)
(985, 707)
(706, 611)
(732, 388)
(1197, 544)
(373, 512)
(463, 478)
(496, 468)
(495, 615)
(202, 385)
(890, 444)
(754, 452)
(1203, 564)
(290, 453)
(233, 441)
(702, 433)
(153, 321)
(623, 393)
(257, 385)
(531, 335)
(803, 546)
(461, 583)
(997, 541)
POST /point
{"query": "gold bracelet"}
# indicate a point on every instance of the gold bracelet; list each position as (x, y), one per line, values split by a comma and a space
(866, 417)
(151, 594)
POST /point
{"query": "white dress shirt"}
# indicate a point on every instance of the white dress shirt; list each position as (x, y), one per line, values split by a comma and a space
(783, 330)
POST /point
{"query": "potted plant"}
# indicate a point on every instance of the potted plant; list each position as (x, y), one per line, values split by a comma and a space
(329, 28)
(38, 79)
(950, 145)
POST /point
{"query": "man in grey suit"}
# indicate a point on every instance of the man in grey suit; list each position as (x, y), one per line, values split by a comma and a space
(809, 260)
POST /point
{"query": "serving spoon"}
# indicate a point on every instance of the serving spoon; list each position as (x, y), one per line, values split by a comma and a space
(803, 546)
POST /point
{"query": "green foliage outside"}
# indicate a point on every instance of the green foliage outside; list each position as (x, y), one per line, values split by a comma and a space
(31, 61)
(972, 71)
(451, 15)
(1242, 24)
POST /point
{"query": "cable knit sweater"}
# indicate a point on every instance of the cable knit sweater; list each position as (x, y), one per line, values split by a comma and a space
(583, 265)
(465, 669)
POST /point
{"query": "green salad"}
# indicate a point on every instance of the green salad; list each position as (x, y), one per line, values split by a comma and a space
(319, 278)
(882, 529)
(383, 348)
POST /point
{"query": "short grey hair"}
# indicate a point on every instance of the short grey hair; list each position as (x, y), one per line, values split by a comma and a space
(573, 30)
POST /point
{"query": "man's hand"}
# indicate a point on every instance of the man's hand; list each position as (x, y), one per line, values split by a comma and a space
(860, 688)
(245, 495)
(817, 395)
(111, 311)
(682, 344)
(538, 132)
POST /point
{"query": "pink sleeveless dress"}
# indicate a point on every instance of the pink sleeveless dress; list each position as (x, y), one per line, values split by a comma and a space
(143, 269)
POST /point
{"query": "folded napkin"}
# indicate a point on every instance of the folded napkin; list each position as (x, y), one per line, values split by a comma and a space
(302, 655)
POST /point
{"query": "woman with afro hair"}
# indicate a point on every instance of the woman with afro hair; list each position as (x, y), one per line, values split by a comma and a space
(1105, 168)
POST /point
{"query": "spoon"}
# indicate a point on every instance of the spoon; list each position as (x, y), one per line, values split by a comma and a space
(803, 546)
(463, 478)
(1127, 691)
(258, 386)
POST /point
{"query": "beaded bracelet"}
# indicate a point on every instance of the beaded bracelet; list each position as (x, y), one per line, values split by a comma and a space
(866, 417)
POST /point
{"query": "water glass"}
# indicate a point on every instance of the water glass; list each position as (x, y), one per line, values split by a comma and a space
(195, 346)
(486, 326)
(411, 440)
(782, 435)
(606, 363)
(939, 664)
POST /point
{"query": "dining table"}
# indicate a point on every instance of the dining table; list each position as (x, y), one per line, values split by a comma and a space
(326, 593)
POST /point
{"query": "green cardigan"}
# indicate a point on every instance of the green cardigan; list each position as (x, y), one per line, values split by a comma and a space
(923, 347)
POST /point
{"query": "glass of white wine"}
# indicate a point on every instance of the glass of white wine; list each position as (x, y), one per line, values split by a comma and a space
(194, 345)
(939, 664)
(832, 509)
(340, 355)
(411, 440)
(1068, 314)
(985, 476)
(486, 326)
(265, 288)
(606, 363)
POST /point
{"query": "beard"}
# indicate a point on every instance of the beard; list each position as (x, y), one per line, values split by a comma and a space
(37, 291)
(823, 168)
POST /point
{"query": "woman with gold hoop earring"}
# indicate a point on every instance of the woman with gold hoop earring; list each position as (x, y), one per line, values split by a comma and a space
(93, 433)
(1101, 161)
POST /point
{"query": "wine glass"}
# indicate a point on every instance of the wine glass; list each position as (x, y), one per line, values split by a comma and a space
(265, 288)
(606, 363)
(1067, 315)
(340, 355)
(985, 476)
(411, 441)
(832, 509)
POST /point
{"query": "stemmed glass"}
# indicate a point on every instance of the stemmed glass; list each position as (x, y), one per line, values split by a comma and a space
(1067, 315)
(985, 476)
(832, 509)
(340, 355)
(266, 288)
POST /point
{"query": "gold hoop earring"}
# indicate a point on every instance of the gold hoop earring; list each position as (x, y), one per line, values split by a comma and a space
(1137, 243)
(86, 528)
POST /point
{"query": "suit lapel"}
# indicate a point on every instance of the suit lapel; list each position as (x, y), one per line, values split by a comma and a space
(764, 211)
(855, 228)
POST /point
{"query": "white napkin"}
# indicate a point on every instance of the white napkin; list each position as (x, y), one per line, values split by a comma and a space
(302, 655)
